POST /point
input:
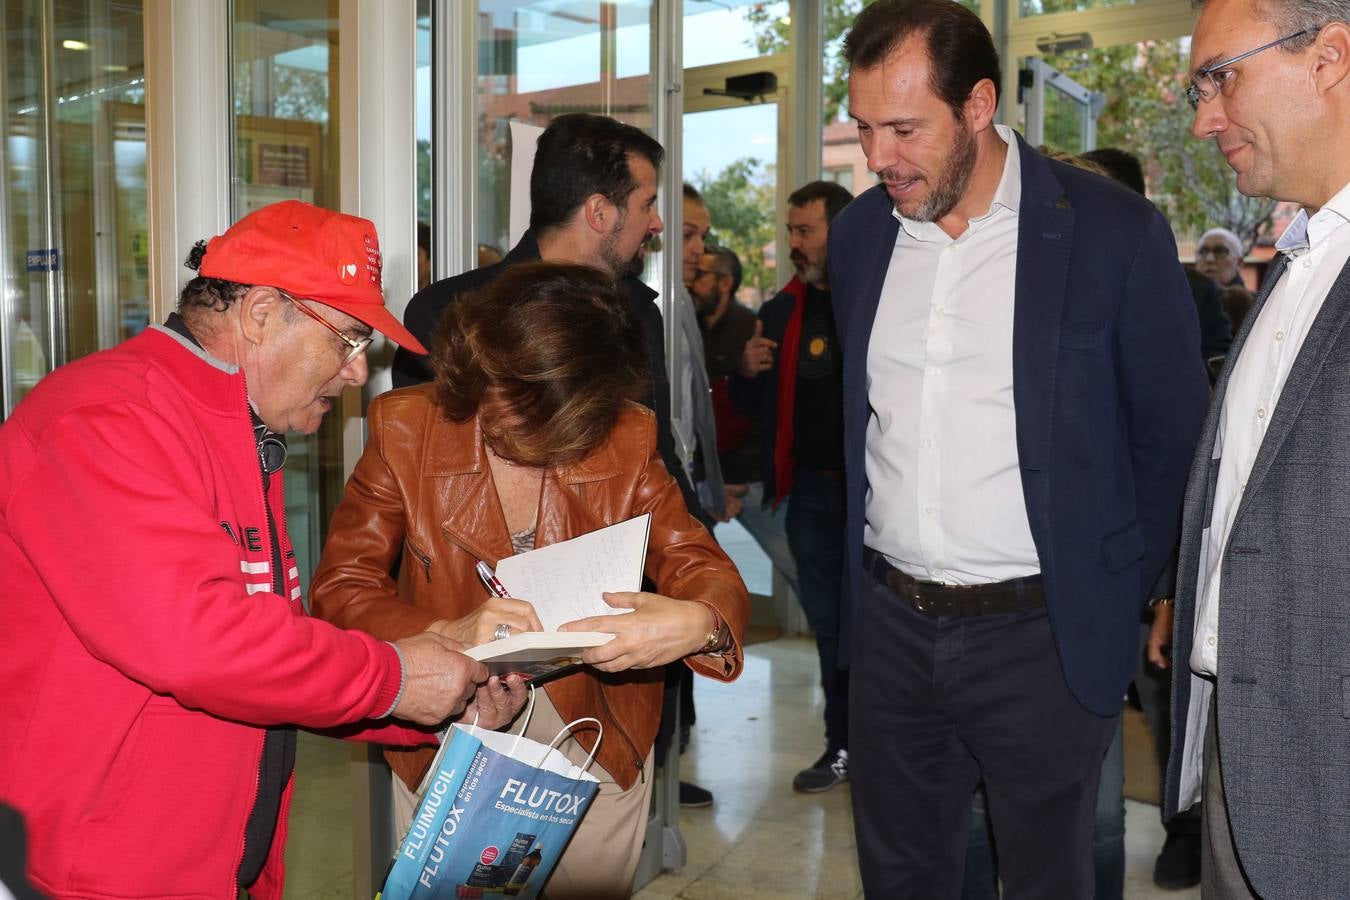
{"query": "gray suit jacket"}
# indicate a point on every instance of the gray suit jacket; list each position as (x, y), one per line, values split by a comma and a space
(1283, 680)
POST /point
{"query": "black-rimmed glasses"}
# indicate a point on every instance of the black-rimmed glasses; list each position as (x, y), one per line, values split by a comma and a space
(1209, 80)
(356, 346)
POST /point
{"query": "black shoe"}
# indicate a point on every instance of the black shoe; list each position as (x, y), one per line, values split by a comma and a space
(829, 770)
(692, 796)
(1178, 865)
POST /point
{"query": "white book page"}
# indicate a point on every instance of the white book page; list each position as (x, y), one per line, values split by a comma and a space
(564, 581)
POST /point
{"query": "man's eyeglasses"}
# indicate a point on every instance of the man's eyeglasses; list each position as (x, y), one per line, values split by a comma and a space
(1209, 80)
(356, 346)
(1220, 251)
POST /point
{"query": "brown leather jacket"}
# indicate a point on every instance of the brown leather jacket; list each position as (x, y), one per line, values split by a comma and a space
(422, 494)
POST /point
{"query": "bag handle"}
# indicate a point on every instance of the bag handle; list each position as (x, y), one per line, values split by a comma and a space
(567, 729)
(524, 722)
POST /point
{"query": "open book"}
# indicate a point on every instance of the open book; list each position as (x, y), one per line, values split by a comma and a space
(564, 582)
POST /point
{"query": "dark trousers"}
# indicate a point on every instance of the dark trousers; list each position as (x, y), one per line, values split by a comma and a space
(1108, 842)
(939, 704)
(815, 532)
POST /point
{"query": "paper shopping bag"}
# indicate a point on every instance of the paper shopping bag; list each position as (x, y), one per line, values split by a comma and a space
(496, 814)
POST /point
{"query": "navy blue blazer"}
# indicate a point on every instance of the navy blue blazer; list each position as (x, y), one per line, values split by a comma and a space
(1109, 392)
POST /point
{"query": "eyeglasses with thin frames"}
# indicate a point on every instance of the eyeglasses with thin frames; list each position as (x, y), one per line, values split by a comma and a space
(1209, 80)
(356, 346)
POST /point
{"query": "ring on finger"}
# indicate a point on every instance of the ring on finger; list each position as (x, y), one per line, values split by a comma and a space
(502, 632)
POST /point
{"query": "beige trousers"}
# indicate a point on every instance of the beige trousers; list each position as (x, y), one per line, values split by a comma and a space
(602, 856)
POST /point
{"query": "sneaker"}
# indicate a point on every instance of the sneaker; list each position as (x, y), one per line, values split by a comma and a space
(692, 796)
(1178, 865)
(829, 770)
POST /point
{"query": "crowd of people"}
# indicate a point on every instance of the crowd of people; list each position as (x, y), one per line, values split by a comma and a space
(1012, 455)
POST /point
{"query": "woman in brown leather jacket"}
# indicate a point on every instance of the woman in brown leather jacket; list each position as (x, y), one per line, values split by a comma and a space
(527, 437)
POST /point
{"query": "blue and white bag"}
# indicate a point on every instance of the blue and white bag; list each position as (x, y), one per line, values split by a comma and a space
(496, 813)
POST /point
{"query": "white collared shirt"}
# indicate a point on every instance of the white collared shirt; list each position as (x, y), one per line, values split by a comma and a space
(1318, 248)
(945, 492)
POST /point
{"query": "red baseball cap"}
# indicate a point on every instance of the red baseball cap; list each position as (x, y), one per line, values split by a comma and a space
(314, 254)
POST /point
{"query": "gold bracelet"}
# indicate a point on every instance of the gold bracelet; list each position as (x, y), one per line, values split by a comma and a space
(1161, 601)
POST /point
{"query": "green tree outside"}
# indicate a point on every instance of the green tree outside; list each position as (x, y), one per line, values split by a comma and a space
(1147, 114)
(740, 201)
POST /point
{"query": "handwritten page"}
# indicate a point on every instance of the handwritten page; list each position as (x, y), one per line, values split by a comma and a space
(564, 581)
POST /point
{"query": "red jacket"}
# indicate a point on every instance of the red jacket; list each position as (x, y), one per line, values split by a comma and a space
(141, 647)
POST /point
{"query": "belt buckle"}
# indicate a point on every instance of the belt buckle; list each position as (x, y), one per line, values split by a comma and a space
(916, 598)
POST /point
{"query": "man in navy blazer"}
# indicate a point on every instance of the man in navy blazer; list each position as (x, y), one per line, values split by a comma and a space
(1022, 393)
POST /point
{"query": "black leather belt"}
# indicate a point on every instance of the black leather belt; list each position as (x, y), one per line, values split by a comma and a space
(934, 599)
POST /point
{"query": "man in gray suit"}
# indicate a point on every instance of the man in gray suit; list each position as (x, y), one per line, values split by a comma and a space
(1262, 728)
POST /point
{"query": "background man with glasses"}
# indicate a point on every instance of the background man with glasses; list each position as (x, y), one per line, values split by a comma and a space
(1218, 257)
(1262, 726)
(155, 653)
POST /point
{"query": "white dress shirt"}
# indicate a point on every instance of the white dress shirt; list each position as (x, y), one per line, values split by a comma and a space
(1318, 248)
(944, 501)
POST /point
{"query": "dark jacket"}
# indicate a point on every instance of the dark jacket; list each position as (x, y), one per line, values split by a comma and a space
(1109, 394)
(426, 308)
(422, 493)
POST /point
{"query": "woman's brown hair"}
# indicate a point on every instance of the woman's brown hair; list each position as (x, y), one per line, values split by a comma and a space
(545, 356)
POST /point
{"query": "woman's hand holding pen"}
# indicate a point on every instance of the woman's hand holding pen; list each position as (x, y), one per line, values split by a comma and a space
(659, 630)
(480, 626)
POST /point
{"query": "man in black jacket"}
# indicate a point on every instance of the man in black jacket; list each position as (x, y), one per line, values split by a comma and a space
(790, 378)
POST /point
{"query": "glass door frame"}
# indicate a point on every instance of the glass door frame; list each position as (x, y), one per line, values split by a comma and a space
(49, 208)
(1128, 22)
(1045, 77)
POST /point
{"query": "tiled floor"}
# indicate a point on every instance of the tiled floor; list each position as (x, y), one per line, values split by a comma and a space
(758, 840)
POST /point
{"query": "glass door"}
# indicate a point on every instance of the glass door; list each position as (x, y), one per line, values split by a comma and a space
(731, 156)
(73, 216)
(285, 100)
(1060, 112)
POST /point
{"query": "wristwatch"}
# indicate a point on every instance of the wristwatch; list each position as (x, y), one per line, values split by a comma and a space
(714, 642)
(1161, 601)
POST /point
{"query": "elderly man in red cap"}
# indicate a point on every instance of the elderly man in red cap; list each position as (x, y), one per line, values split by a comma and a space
(155, 655)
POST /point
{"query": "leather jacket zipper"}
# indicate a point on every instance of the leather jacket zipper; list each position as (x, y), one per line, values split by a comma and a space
(421, 557)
